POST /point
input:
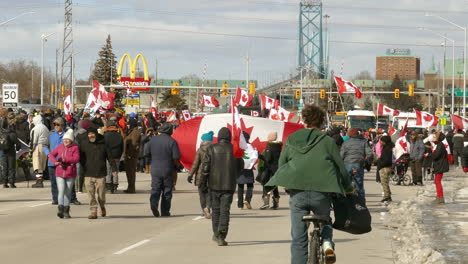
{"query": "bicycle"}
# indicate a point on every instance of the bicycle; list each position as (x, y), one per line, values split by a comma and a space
(316, 254)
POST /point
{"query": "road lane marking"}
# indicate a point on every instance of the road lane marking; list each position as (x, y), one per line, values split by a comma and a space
(131, 247)
(36, 205)
(198, 218)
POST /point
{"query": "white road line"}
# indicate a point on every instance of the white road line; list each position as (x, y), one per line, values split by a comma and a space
(131, 247)
(198, 218)
(36, 205)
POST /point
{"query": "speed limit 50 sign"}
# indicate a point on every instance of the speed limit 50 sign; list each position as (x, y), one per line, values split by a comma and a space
(10, 94)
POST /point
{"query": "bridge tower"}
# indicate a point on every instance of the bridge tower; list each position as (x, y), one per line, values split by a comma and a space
(310, 37)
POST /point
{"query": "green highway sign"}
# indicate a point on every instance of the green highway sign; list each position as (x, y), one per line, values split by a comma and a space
(458, 92)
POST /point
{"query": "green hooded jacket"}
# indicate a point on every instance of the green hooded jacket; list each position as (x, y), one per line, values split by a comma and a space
(311, 161)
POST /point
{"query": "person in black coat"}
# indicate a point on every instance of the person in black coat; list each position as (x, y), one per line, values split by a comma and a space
(384, 165)
(8, 155)
(270, 158)
(165, 154)
(114, 146)
(246, 177)
(427, 159)
(464, 159)
(441, 165)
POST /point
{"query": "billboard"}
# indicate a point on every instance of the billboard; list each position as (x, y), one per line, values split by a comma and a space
(136, 83)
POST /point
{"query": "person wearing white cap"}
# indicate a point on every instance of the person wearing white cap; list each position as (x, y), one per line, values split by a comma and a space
(65, 157)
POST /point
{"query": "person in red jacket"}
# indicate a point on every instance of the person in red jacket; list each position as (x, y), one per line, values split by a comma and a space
(65, 157)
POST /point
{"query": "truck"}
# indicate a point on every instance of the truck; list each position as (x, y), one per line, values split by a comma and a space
(362, 119)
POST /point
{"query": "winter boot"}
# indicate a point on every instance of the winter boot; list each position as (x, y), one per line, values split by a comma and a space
(115, 187)
(60, 211)
(92, 215)
(275, 203)
(103, 212)
(109, 188)
(222, 238)
(66, 212)
(5, 185)
(147, 169)
(266, 202)
(12, 185)
(38, 184)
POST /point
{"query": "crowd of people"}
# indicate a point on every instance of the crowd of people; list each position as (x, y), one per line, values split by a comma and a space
(86, 153)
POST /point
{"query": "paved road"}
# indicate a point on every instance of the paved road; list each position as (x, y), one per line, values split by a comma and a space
(31, 232)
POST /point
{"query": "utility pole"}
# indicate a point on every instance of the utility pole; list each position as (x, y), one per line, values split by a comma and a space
(67, 49)
(247, 61)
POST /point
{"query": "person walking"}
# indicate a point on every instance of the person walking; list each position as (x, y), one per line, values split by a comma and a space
(416, 151)
(220, 170)
(39, 140)
(114, 146)
(311, 168)
(203, 192)
(147, 160)
(165, 154)
(384, 165)
(246, 177)
(458, 144)
(81, 135)
(355, 152)
(65, 157)
(441, 165)
(93, 157)
(269, 159)
(9, 143)
(131, 150)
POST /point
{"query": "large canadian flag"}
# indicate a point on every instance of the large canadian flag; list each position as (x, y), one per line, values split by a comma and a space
(186, 115)
(401, 145)
(460, 122)
(243, 98)
(383, 110)
(209, 101)
(104, 98)
(281, 114)
(67, 107)
(425, 119)
(347, 87)
(153, 109)
(268, 103)
(188, 134)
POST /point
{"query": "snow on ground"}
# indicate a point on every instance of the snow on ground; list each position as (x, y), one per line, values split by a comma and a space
(426, 233)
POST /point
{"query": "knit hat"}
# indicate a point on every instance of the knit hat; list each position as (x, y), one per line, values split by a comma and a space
(353, 132)
(166, 128)
(59, 121)
(272, 136)
(69, 135)
(207, 136)
(132, 115)
(85, 124)
(92, 130)
(132, 123)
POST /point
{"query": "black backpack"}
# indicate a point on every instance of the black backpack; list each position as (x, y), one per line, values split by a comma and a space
(5, 141)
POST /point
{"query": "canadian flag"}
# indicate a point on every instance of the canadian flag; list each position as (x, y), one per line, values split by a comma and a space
(243, 98)
(188, 134)
(172, 117)
(104, 98)
(186, 115)
(460, 122)
(67, 107)
(347, 87)
(383, 110)
(238, 141)
(268, 103)
(401, 145)
(92, 104)
(153, 109)
(281, 114)
(425, 119)
(254, 113)
(209, 101)
(391, 130)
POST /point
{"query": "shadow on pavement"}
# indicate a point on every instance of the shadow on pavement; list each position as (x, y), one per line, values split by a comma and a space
(24, 200)
(253, 243)
(344, 240)
(256, 216)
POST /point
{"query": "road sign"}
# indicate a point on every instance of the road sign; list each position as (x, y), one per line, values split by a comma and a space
(133, 99)
(443, 121)
(10, 94)
(458, 92)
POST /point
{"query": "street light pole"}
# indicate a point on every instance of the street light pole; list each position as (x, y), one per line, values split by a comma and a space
(464, 58)
(43, 39)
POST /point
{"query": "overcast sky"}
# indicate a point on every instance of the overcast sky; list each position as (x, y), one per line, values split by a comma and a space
(171, 32)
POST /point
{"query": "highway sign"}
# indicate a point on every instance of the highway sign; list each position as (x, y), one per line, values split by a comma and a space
(10, 94)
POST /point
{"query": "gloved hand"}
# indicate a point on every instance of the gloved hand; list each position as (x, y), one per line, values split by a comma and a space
(465, 170)
(190, 178)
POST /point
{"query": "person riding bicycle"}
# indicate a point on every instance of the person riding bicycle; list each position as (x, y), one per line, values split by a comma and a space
(311, 168)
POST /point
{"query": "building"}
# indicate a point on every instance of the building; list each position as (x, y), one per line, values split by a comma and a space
(397, 62)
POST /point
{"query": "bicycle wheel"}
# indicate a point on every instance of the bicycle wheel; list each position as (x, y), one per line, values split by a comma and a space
(315, 256)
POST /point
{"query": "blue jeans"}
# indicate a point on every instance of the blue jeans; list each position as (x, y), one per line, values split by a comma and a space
(358, 178)
(301, 203)
(53, 186)
(65, 187)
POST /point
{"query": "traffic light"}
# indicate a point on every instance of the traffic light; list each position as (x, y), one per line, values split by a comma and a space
(298, 94)
(225, 85)
(175, 90)
(410, 89)
(322, 94)
(53, 88)
(224, 92)
(63, 90)
(252, 88)
(397, 93)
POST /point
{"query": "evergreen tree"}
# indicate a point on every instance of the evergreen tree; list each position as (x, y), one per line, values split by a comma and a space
(172, 101)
